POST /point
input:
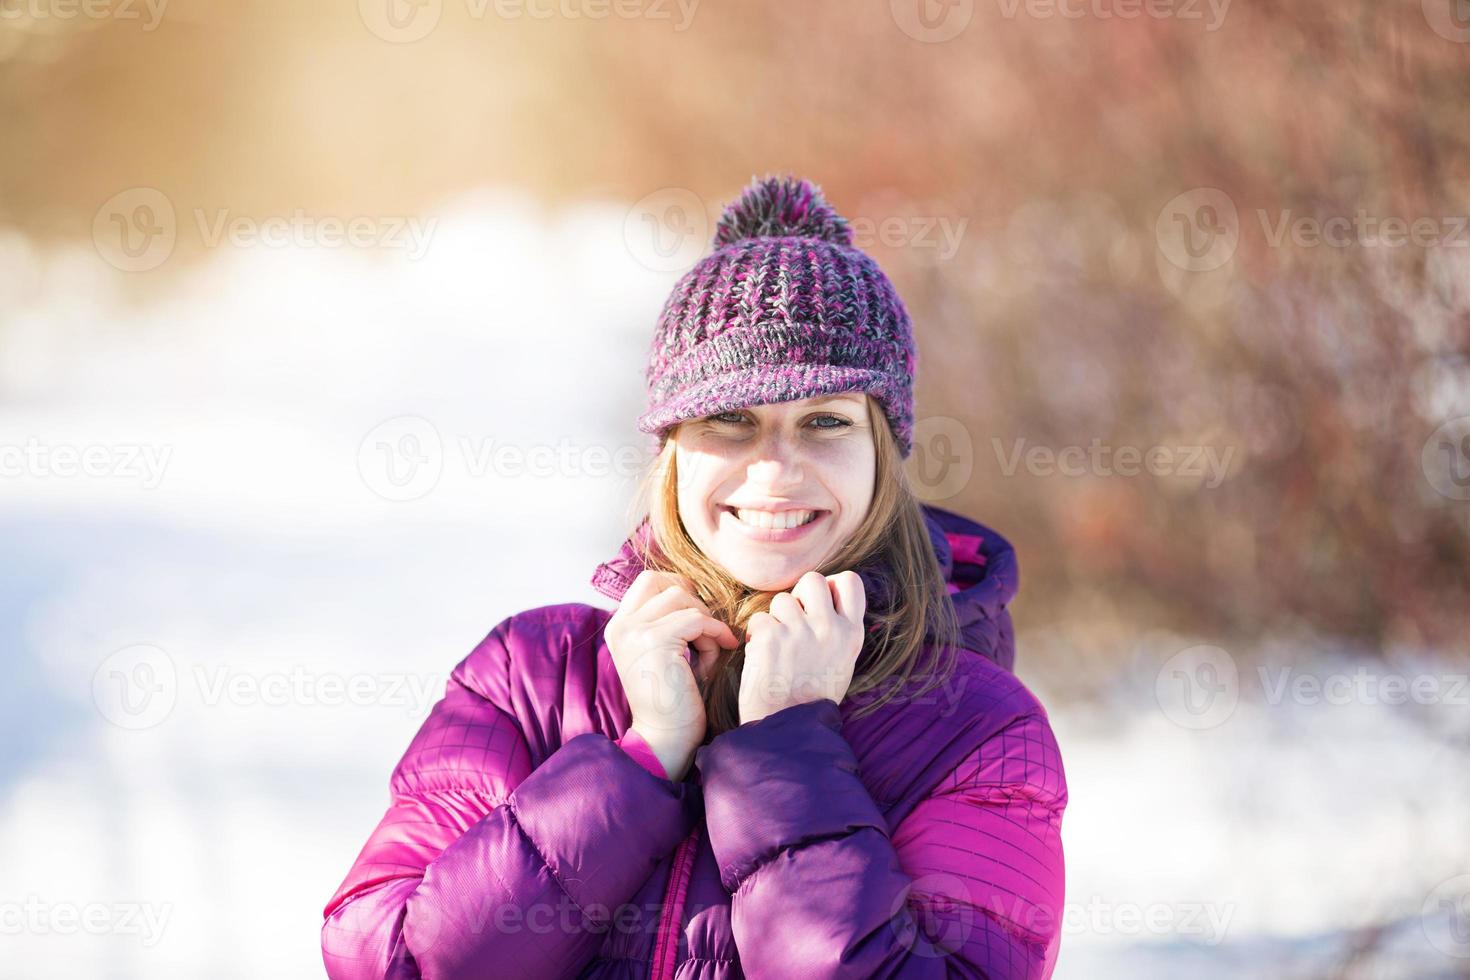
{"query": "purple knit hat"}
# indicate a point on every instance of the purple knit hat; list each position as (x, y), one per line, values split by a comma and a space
(785, 307)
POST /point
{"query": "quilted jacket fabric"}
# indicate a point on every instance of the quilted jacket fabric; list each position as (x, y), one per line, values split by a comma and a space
(530, 834)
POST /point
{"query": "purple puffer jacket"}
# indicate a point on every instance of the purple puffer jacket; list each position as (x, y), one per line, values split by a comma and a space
(530, 834)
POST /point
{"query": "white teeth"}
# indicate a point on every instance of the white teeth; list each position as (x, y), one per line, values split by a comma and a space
(764, 518)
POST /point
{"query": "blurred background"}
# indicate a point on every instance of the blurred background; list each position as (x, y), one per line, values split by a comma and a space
(322, 329)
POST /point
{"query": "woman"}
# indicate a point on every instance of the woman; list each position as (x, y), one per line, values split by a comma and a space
(796, 748)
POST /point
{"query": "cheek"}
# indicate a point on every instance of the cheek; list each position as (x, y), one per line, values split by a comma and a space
(700, 479)
(849, 474)
(853, 485)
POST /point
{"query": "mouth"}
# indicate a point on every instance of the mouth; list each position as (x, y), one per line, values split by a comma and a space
(770, 526)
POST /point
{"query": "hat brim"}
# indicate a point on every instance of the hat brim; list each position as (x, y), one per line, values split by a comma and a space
(765, 386)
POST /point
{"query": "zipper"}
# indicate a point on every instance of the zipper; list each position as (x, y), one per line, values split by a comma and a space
(666, 942)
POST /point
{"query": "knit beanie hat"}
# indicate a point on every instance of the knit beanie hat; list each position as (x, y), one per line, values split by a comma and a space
(785, 307)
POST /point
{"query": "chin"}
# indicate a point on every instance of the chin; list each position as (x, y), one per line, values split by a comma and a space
(768, 576)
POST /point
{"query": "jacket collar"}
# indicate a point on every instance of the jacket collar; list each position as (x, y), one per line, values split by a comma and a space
(978, 563)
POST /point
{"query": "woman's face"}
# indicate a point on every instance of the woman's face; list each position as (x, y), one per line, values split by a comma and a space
(747, 473)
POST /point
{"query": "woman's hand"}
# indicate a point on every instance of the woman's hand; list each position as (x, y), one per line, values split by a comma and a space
(806, 647)
(649, 637)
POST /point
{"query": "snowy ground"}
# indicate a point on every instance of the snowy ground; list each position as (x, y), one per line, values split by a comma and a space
(298, 518)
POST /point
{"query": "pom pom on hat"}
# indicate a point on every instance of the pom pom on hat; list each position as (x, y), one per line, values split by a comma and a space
(781, 207)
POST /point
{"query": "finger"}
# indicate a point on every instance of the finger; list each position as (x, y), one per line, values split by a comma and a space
(668, 581)
(666, 601)
(646, 585)
(850, 598)
(707, 654)
(673, 597)
(721, 633)
(815, 596)
(785, 608)
(690, 624)
(676, 598)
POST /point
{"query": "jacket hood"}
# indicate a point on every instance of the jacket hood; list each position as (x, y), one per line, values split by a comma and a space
(978, 563)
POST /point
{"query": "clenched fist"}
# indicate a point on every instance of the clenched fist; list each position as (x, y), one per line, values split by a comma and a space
(806, 647)
(649, 637)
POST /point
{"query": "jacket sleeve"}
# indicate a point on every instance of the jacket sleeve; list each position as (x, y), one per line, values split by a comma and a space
(482, 866)
(637, 746)
(969, 885)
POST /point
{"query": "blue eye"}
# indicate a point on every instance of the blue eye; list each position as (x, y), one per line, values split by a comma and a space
(735, 417)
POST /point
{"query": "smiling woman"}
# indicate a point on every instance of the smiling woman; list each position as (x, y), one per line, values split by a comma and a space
(832, 456)
(795, 748)
(797, 473)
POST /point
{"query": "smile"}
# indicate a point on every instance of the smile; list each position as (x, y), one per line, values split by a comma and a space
(771, 526)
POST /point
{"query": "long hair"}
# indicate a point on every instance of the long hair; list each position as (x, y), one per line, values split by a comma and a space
(891, 544)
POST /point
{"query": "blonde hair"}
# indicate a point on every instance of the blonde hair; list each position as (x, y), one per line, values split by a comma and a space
(892, 543)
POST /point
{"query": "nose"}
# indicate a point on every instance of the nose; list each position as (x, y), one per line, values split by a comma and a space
(776, 464)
